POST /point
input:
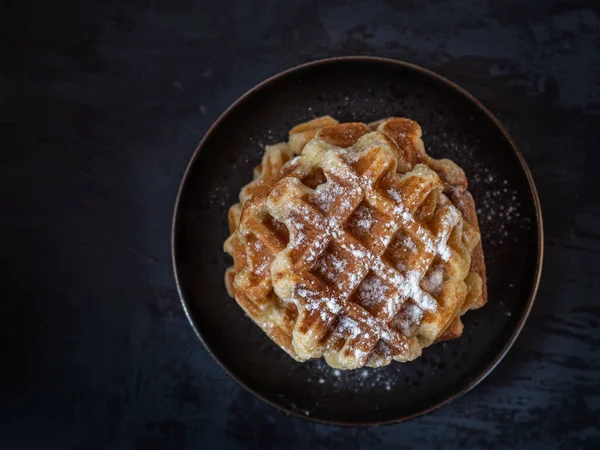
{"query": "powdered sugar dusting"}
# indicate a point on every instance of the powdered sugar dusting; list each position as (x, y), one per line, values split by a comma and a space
(365, 218)
(395, 195)
(438, 247)
(325, 195)
(322, 268)
(299, 235)
(258, 266)
(338, 264)
(333, 305)
(448, 223)
(499, 210)
(408, 319)
(432, 282)
(372, 291)
(313, 300)
(408, 243)
(348, 327)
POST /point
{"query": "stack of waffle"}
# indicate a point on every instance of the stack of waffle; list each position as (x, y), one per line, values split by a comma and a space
(352, 244)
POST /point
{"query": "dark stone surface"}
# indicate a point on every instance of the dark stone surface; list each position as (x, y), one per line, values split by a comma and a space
(102, 104)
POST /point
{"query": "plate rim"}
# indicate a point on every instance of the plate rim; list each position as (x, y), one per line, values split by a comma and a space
(428, 73)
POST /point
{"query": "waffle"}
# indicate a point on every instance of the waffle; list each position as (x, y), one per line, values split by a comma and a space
(362, 250)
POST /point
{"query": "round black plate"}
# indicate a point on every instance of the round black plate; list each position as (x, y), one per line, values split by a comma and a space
(454, 125)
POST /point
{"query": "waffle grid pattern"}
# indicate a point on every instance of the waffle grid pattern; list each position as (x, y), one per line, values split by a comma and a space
(337, 307)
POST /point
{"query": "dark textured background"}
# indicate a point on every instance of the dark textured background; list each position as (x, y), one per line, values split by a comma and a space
(103, 103)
